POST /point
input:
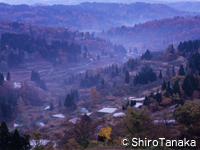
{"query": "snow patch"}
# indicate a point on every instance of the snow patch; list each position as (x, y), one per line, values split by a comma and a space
(84, 110)
(47, 107)
(15, 125)
(74, 120)
(119, 114)
(59, 116)
(136, 99)
(107, 110)
(17, 85)
(138, 104)
(168, 121)
(42, 124)
(89, 113)
(42, 142)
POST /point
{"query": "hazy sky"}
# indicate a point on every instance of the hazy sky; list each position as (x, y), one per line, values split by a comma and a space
(51, 2)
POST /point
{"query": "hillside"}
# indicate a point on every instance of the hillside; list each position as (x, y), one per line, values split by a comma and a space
(186, 6)
(51, 34)
(156, 33)
(92, 16)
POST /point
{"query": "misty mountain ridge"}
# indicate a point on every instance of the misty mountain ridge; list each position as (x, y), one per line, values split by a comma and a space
(92, 16)
(186, 6)
(156, 33)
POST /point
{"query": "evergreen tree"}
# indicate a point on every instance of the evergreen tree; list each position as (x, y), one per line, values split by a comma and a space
(94, 95)
(51, 107)
(25, 142)
(102, 82)
(169, 90)
(176, 88)
(68, 101)
(123, 108)
(8, 76)
(85, 49)
(114, 84)
(4, 136)
(164, 85)
(116, 71)
(43, 85)
(16, 142)
(1, 78)
(168, 72)
(21, 105)
(133, 103)
(127, 77)
(160, 74)
(181, 71)
(146, 101)
(127, 104)
(147, 55)
(33, 75)
(173, 72)
(190, 84)
(98, 57)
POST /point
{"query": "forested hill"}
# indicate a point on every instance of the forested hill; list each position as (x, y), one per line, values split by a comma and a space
(158, 31)
(186, 6)
(50, 34)
(95, 16)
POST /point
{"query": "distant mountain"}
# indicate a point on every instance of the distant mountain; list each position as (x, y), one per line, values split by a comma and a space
(92, 16)
(156, 33)
(38, 4)
(186, 6)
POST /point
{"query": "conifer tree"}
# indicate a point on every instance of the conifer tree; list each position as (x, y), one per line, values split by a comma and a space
(98, 57)
(85, 49)
(189, 85)
(4, 136)
(176, 88)
(33, 75)
(146, 101)
(1, 78)
(181, 71)
(164, 85)
(94, 95)
(173, 72)
(43, 85)
(127, 77)
(102, 82)
(21, 105)
(133, 103)
(51, 107)
(160, 74)
(116, 71)
(26, 142)
(67, 101)
(16, 142)
(168, 72)
(8, 76)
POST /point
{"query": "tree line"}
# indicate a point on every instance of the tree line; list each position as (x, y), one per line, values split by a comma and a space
(16, 44)
(13, 140)
(36, 77)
